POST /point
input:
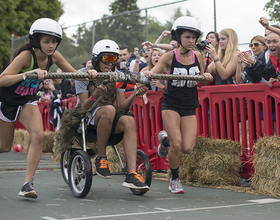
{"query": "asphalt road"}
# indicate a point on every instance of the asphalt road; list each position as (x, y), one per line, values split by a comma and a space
(107, 199)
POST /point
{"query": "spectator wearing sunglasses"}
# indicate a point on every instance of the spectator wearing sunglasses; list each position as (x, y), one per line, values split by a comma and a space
(264, 68)
(106, 121)
(258, 46)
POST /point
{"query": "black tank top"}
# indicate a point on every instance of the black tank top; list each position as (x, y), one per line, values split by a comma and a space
(182, 94)
(25, 90)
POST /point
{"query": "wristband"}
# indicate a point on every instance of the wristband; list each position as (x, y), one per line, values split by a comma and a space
(24, 76)
(154, 45)
(91, 98)
(216, 60)
(136, 61)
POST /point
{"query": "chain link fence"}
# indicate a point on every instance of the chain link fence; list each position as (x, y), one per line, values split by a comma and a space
(16, 42)
(224, 20)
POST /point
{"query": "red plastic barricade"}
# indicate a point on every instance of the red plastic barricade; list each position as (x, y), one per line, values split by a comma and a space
(232, 112)
(44, 108)
(148, 124)
(72, 102)
(236, 114)
(243, 113)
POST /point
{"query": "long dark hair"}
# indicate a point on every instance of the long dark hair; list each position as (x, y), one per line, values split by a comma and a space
(27, 46)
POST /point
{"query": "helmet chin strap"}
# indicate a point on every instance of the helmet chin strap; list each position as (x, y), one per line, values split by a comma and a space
(185, 49)
(179, 41)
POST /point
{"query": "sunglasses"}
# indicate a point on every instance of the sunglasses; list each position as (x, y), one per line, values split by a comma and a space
(256, 44)
(109, 58)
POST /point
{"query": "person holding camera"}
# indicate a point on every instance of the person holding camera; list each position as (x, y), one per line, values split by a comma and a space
(225, 61)
(137, 65)
(213, 39)
(180, 99)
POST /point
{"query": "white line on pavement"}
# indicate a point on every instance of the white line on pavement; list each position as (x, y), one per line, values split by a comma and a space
(255, 202)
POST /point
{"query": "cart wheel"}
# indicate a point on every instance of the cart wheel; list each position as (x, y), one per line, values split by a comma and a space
(64, 164)
(80, 174)
(143, 167)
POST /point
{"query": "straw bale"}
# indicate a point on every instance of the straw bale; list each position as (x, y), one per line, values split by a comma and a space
(267, 166)
(19, 137)
(212, 162)
(113, 159)
(265, 186)
(22, 137)
(215, 178)
(26, 142)
(48, 141)
(268, 145)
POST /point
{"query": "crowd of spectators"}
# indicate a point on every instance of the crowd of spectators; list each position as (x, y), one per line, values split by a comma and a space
(258, 64)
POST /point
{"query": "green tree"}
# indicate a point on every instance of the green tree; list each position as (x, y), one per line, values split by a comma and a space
(273, 9)
(128, 28)
(177, 14)
(125, 29)
(17, 17)
(155, 28)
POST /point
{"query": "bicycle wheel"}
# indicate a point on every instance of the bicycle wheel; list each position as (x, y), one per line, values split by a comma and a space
(64, 164)
(80, 174)
(143, 167)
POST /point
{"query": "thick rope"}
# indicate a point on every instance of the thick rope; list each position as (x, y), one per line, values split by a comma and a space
(134, 77)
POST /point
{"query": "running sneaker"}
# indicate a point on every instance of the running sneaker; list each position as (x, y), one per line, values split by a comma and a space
(135, 181)
(176, 187)
(164, 144)
(103, 168)
(162, 150)
(28, 191)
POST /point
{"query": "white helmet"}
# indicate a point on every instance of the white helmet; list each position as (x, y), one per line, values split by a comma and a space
(104, 46)
(46, 26)
(186, 23)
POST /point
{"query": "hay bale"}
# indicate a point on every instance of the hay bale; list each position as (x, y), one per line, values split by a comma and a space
(48, 141)
(22, 137)
(112, 157)
(19, 138)
(267, 166)
(213, 162)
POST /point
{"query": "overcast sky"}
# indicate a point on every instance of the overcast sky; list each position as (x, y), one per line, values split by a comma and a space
(240, 15)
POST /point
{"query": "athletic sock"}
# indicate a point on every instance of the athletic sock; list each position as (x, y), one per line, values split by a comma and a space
(175, 173)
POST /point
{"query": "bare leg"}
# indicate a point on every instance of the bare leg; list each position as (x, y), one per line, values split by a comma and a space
(31, 119)
(6, 136)
(172, 123)
(182, 133)
(189, 133)
(126, 124)
(103, 124)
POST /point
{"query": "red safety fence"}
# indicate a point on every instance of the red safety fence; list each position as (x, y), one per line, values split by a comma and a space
(243, 113)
